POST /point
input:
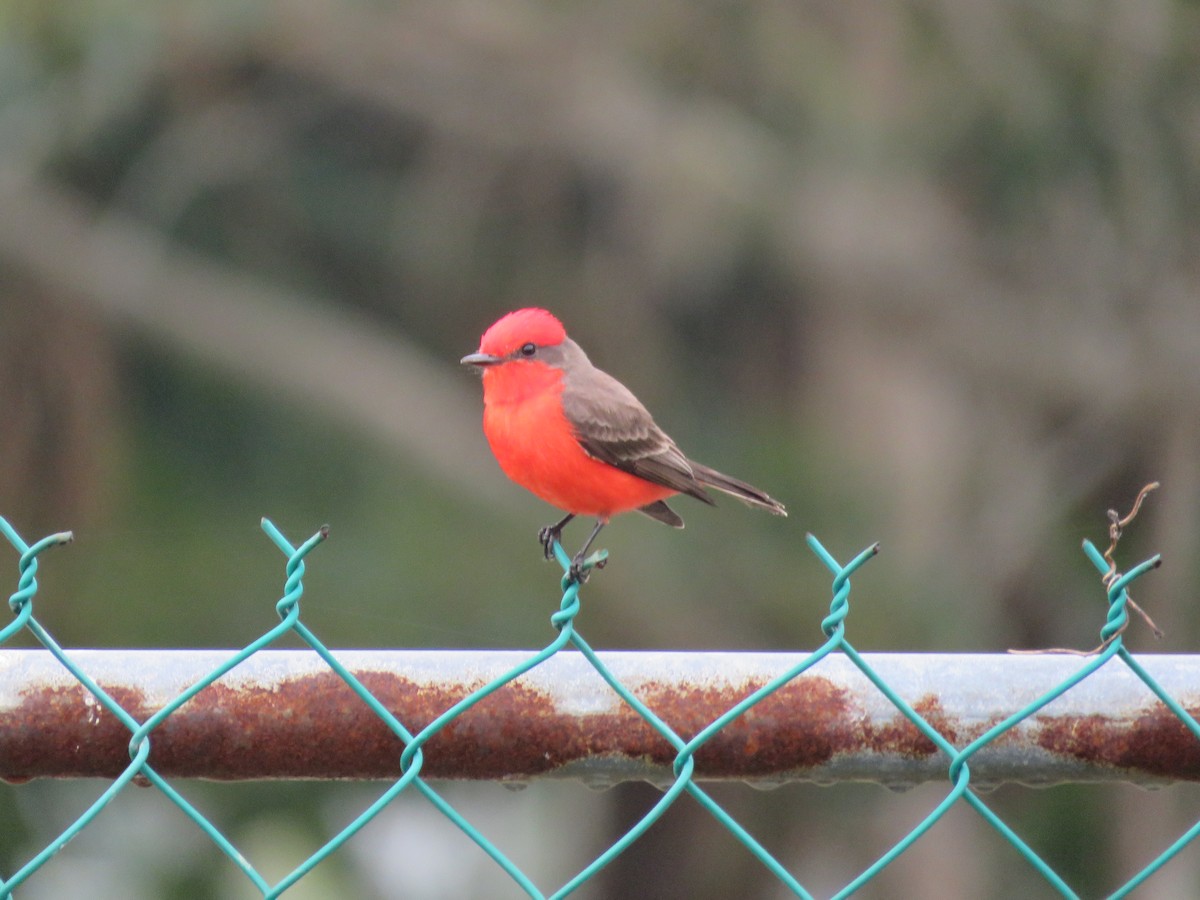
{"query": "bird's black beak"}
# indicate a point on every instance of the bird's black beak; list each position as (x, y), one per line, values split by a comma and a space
(480, 360)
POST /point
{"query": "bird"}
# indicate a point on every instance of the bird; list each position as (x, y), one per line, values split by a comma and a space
(577, 438)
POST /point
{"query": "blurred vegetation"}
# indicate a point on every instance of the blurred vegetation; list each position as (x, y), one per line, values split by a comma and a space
(925, 271)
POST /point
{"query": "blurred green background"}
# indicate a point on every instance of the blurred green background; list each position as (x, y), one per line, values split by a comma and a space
(925, 271)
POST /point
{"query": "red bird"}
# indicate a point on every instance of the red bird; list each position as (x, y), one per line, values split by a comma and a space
(577, 437)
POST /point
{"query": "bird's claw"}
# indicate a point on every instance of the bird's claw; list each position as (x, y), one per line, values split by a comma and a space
(581, 564)
(581, 568)
(547, 537)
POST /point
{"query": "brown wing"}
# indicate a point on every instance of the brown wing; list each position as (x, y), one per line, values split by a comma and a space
(612, 426)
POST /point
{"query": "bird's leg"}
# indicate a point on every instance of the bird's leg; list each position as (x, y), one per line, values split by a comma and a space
(551, 533)
(576, 572)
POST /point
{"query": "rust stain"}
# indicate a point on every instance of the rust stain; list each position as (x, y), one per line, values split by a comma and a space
(801, 725)
(1155, 743)
(314, 726)
(902, 737)
(64, 731)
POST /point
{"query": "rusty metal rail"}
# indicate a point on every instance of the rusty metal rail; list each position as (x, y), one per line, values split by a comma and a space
(285, 714)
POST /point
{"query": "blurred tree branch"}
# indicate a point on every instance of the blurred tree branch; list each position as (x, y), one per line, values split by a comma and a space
(311, 355)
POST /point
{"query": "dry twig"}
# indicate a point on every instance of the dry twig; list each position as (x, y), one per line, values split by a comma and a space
(1116, 527)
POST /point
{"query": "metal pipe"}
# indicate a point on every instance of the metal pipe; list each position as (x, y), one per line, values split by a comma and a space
(284, 714)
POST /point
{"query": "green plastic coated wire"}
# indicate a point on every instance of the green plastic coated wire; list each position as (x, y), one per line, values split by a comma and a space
(411, 747)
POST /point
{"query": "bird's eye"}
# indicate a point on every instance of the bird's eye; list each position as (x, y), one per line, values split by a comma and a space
(528, 349)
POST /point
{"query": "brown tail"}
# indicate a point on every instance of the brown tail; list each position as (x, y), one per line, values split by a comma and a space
(744, 492)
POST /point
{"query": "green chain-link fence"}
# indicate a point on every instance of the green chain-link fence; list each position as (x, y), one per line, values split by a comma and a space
(412, 760)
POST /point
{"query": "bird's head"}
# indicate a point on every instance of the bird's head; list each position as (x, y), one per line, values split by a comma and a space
(517, 337)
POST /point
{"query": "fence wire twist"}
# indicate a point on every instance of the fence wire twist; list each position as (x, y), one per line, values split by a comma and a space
(412, 759)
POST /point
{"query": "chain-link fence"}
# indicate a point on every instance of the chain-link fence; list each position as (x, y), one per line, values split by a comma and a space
(678, 751)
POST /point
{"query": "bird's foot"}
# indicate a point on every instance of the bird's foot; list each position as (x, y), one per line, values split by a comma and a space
(581, 567)
(547, 537)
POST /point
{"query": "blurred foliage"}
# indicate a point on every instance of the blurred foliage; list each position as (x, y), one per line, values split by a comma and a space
(925, 271)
